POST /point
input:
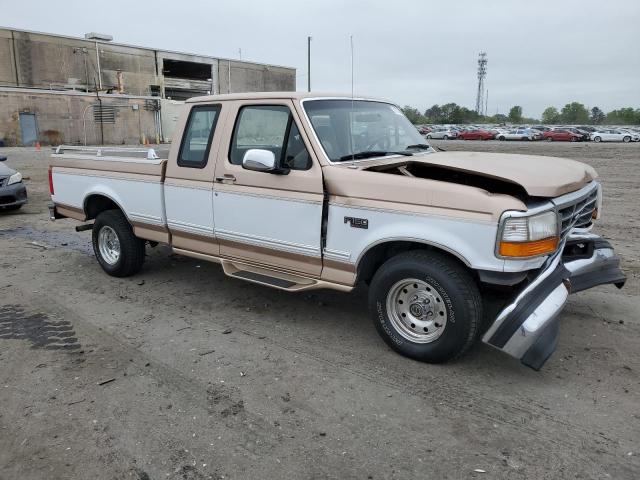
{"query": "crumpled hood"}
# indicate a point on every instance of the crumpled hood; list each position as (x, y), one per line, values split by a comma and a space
(540, 176)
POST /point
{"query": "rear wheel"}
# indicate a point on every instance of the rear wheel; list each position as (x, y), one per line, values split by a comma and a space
(119, 252)
(425, 306)
(446, 137)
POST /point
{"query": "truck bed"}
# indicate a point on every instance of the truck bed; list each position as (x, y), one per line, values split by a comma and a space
(132, 182)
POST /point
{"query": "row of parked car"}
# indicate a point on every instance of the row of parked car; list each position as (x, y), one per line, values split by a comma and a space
(583, 133)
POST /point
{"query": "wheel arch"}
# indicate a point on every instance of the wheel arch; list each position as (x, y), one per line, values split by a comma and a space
(98, 202)
(375, 254)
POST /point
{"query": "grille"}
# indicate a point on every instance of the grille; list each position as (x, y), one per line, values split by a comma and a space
(578, 213)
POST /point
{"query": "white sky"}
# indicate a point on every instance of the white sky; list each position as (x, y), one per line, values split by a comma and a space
(540, 52)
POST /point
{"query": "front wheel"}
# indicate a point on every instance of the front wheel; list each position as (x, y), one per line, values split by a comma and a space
(626, 139)
(501, 138)
(119, 252)
(597, 139)
(446, 137)
(425, 306)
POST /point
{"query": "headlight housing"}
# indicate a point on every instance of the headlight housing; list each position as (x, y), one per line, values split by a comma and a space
(15, 178)
(529, 236)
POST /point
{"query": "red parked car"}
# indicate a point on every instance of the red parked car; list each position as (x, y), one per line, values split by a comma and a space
(476, 135)
(561, 136)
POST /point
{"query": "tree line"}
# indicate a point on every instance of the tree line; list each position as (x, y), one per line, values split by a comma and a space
(573, 113)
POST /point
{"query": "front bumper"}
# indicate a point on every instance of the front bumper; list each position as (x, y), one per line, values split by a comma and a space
(527, 328)
(13, 195)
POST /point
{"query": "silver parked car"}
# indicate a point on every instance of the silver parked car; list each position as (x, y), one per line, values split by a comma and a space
(614, 135)
(443, 133)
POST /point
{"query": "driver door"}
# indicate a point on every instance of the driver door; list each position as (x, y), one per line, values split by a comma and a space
(263, 218)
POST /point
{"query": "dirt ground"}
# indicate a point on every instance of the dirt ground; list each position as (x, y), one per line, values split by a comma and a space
(183, 373)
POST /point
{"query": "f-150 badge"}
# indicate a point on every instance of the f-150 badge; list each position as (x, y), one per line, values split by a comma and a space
(357, 222)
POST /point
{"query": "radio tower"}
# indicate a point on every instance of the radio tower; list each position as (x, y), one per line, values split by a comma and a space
(482, 72)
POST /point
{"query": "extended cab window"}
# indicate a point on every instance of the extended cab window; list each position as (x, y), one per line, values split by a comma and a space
(269, 127)
(196, 141)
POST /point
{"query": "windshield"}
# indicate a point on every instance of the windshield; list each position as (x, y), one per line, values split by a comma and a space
(357, 129)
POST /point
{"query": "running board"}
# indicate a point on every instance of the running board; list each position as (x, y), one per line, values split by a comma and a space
(274, 278)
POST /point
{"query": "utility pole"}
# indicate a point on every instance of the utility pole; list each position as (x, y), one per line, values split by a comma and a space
(308, 64)
(482, 73)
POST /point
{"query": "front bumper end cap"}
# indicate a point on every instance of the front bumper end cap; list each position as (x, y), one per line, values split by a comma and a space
(527, 329)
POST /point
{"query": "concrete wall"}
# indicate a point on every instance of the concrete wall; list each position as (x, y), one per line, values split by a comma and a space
(60, 118)
(57, 62)
(67, 66)
(248, 77)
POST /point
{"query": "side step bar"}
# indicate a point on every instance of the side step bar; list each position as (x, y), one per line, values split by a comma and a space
(273, 278)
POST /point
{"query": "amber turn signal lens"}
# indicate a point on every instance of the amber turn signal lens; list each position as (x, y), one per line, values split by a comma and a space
(528, 249)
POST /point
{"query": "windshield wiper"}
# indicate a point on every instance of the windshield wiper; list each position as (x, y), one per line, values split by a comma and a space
(419, 146)
(372, 153)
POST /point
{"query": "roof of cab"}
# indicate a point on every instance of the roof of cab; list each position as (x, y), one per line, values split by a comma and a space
(274, 95)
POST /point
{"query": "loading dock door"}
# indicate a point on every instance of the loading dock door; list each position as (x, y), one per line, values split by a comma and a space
(28, 128)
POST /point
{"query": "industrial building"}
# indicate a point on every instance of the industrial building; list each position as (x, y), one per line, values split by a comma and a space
(60, 89)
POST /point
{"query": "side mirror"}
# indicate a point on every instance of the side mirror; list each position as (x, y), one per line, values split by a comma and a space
(259, 160)
(3, 158)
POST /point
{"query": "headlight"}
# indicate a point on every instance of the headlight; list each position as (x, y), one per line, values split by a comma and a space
(15, 178)
(529, 236)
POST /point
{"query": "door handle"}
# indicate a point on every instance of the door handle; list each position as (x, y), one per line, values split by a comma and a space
(226, 178)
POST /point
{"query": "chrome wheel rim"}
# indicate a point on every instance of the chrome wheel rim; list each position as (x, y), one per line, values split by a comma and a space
(416, 310)
(109, 245)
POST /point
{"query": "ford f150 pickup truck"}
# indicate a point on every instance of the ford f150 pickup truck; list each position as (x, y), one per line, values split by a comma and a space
(304, 191)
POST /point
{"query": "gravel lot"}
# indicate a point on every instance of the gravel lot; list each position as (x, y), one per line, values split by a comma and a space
(183, 373)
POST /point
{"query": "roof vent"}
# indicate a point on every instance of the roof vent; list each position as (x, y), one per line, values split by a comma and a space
(98, 36)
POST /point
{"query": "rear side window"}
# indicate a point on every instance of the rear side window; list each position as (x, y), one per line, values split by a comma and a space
(196, 140)
(269, 127)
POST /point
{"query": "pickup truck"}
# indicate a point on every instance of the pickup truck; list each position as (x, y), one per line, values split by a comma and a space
(306, 191)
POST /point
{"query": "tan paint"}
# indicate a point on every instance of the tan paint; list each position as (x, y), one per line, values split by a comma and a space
(153, 233)
(71, 212)
(194, 242)
(540, 176)
(291, 262)
(104, 164)
(415, 195)
(338, 272)
(119, 175)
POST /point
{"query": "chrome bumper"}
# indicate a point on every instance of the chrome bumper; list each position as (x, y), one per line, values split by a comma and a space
(527, 328)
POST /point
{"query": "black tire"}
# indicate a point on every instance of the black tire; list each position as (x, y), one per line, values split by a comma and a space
(132, 248)
(453, 284)
(446, 137)
(501, 138)
(626, 139)
(597, 139)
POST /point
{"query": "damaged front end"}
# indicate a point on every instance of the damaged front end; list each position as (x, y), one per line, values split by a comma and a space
(527, 328)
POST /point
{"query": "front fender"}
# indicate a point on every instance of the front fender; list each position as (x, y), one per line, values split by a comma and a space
(472, 241)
